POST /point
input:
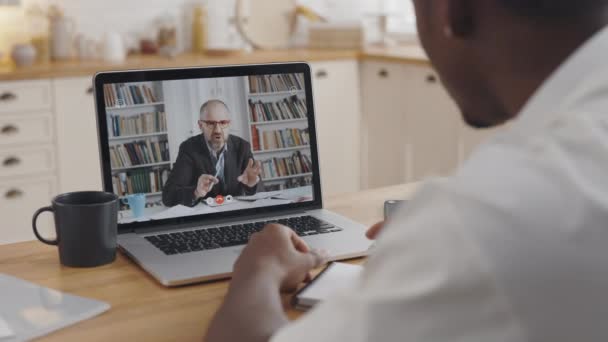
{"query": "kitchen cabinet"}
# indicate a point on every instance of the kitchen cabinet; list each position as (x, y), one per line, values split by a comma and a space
(412, 130)
(338, 116)
(432, 123)
(78, 154)
(28, 165)
(410, 125)
(384, 150)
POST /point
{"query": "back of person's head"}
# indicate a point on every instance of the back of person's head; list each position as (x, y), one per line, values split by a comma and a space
(492, 55)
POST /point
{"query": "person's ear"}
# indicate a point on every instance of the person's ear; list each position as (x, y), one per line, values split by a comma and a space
(458, 17)
(200, 124)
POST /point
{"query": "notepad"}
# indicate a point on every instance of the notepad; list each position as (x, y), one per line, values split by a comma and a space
(5, 330)
(336, 277)
(31, 311)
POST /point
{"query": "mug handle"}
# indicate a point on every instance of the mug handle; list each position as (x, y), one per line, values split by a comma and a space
(35, 218)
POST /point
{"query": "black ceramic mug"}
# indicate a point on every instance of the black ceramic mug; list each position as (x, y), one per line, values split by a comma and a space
(86, 226)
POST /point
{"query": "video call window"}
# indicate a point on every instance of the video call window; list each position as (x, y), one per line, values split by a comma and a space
(192, 147)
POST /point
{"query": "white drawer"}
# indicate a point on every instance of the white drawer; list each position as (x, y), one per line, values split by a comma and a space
(26, 129)
(20, 96)
(26, 161)
(18, 202)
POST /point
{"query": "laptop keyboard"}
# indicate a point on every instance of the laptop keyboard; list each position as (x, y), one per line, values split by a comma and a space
(235, 235)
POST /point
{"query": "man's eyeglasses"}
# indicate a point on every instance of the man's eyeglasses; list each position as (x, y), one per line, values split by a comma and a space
(211, 124)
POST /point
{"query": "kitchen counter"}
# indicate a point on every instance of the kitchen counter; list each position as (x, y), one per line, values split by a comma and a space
(412, 54)
(76, 68)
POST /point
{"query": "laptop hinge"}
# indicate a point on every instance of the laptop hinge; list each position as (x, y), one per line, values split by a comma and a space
(215, 222)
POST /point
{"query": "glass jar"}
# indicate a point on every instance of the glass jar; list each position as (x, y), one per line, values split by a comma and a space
(167, 35)
(37, 21)
(199, 29)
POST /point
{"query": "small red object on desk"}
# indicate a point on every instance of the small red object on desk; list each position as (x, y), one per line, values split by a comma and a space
(219, 199)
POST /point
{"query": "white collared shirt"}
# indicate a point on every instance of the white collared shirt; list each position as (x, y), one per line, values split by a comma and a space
(219, 158)
(513, 247)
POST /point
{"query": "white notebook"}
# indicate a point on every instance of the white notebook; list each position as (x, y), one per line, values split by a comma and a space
(28, 310)
(336, 277)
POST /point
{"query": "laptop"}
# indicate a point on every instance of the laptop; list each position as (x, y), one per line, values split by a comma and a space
(202, 158)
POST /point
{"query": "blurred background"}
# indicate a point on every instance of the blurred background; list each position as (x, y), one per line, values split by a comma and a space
(382, 115)
(136, 20)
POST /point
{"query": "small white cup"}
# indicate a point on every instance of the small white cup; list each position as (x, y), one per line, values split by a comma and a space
(114, 50)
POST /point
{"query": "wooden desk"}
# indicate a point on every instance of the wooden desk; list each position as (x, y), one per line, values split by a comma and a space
(143, 310)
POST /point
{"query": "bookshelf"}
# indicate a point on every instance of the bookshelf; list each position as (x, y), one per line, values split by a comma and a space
(308, 174)
(138, 137)
(141, 166)
(279, 122)
(286, 149)
(280, 93)
(142, 105)
(278, 129)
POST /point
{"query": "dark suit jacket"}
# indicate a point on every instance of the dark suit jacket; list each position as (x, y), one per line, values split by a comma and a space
(194, 160)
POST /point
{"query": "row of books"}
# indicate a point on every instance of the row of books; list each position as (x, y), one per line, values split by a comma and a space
(140, 181)
(144, 123)
(296, 182)
(287, 109)
(275, 83)
(139, 153)
(284, 138)
(121, 94)
(297, 164)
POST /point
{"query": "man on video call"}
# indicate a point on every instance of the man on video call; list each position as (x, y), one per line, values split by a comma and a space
(212, 163)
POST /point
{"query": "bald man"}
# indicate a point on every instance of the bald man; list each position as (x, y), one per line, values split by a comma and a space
(212, 163)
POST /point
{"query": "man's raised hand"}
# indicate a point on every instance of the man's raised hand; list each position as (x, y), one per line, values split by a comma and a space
(251, 175)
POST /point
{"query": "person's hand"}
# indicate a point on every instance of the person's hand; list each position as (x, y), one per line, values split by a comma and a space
(281, 255)
(204, 185)
(373, 231)
(251, 175)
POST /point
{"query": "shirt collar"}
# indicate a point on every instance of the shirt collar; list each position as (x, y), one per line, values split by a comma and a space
(561, 91)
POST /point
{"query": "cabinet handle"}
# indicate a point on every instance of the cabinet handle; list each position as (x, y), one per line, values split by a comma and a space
(11, 161)
(321, 74)
(89, 90)
(13, 194)
(9, 129)
(8, 96)
(431, 79)
(383, 73)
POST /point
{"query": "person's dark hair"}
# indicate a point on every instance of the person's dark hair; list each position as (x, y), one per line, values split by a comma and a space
(554, 9)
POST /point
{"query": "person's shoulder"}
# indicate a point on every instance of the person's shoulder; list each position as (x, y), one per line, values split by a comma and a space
(238, 143)
(191, 144)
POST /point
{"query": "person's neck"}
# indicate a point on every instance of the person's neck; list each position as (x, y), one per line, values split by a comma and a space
(213, 148)
(524, 66)
(218, 149)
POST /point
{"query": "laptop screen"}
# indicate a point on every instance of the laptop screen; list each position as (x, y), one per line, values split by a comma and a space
(190, 147)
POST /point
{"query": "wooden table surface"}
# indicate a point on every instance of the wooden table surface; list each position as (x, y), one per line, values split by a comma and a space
(143, 310)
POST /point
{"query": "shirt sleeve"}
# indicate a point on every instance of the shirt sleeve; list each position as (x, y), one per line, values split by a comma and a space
(426, 282)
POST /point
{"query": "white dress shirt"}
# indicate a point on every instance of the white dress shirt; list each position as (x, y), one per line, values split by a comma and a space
(513, 247)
